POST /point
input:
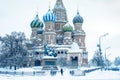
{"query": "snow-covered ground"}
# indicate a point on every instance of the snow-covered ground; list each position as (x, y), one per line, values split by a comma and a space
(95, 75)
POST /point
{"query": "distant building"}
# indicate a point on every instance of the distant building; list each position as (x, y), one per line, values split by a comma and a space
(69, 44)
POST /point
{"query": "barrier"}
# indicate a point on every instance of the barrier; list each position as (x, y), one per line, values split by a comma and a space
(82, 72)
(24, 73)
(77, 73)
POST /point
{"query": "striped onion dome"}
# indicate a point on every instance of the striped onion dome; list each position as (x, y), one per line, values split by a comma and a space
(67, 28)
(36, 23)
(78, 19)
(49, 16)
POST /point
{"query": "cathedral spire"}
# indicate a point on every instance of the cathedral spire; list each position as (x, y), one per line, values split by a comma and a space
(77, 9)
(60, 11)
(59, 4)
(37, 11)
(49, 4)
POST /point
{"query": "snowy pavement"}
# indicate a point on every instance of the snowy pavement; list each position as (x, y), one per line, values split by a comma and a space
(95, 75)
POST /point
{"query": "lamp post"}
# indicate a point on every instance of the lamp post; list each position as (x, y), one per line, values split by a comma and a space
(100, 49)
(105, 56)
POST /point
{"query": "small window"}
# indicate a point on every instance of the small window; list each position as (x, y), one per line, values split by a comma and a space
(31, 54)
(61, 52)
(58, 52)
(37, 53)
(65, 52)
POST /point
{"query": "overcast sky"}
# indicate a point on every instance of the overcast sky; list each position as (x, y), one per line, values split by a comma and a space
(100, 17)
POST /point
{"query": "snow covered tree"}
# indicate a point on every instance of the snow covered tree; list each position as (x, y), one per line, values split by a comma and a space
(96, 59)
(107, 63)
(117, 61)
(13, 50)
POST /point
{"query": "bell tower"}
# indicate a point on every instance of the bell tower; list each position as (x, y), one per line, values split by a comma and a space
(49, 34)
(61, 19)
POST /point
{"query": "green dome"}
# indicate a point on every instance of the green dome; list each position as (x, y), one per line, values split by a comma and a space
(67, 28)
(36, 23)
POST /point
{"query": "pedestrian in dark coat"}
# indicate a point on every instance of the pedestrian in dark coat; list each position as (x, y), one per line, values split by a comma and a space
(61, 71)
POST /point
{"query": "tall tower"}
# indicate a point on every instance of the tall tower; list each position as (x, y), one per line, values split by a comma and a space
(49, 34)
(35, 25)
(79, 34)
(61, 19)
(67, 29)
(79, 37)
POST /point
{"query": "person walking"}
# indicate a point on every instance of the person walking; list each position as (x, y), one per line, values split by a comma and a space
(61, 71)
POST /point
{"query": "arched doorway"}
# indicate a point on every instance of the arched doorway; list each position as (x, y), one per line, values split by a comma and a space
(37, 62)
(74, 61)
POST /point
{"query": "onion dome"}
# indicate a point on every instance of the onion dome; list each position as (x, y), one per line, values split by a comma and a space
(67, 28)
(49, 16)
(40, 31)
(36, 23)
(77, 19)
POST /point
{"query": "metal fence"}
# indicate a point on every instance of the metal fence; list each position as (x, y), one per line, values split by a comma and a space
(33, 73)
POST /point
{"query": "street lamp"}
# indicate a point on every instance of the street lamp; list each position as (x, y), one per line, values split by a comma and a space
(100, 49)
(105, 56)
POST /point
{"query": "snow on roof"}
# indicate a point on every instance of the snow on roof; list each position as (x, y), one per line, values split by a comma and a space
(66, 49)
(75, 48)
(28, 41)
(67, 38)
(38, 50)
(59, 46)
(49, 33)
(30, 50)
(49, 57)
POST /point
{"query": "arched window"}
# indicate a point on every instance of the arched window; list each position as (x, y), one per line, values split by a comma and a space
(65, 52)
(37, 53)
(74, 61)
(37, 63)
(58, 52)
(61, 52)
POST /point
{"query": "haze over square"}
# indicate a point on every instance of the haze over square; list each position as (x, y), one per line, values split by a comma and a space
(100, 17)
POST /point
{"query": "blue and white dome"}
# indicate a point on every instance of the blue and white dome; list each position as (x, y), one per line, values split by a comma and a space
(78, 19)
(49, 16)
(36, 23)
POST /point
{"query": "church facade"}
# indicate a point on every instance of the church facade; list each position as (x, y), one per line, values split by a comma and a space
(55, 30)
